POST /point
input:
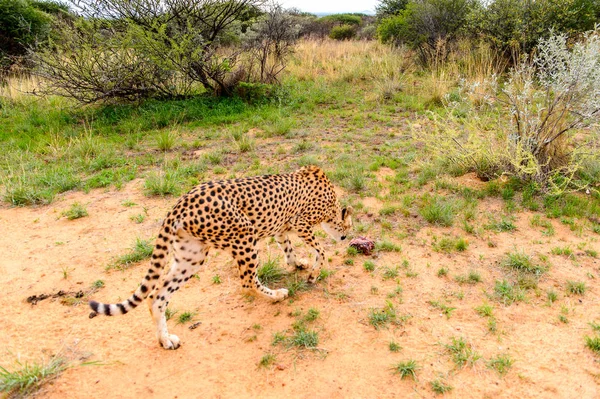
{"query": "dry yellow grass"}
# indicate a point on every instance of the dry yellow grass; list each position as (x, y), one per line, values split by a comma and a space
(19, 86)
(349, 61)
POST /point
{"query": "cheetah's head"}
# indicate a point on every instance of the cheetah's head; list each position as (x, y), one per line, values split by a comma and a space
(339, 226)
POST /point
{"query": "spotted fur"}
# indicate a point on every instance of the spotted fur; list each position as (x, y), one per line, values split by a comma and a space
(232, 215)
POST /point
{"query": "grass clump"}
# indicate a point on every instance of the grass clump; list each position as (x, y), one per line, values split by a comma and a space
(379, 318)
(503, 225)
(303, 338)
(450, 244)
(29, 377)
(390, 272)
(169, 313)
(485, 310)
(295, 285)
(462, 353)
(98, 284)
(76, 211)
(166, 140)
(394, 347)
(440, 387)
(141, 250)
(472, 278)
(185, 317)
(593, 344)
(501, 363)
(438, 211)
(507, 293)
(446, 310)
(387, 246)
(271, 272)
(564, 251)
(522, 262)
(369, 266)
(407, 369)
(576, 287)
(267, 360)
(162, 185)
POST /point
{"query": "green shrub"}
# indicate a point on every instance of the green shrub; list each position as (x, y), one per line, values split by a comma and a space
(342, 32)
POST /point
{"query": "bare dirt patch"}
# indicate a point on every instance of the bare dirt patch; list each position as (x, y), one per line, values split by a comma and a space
(220, 357)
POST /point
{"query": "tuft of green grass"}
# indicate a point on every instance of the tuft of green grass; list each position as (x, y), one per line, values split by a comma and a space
(564, 251)
(139, 218)
(379, 318)
(216, 279)
(522, 262)
(406, 369)
(442, 272)
(166, 140)
(507, 293)
(390, 272)
(394, 347)
(352, 251)
(462, 352)
(169, 313)
(502, 225)
(501, 363)
(76, 211)
(576, 287)
(27, 378)
(440, 387)
(267, 360)
(387, 246)
(98, 284)
(369, 266)
(270, 272)
(473, 278)
(593, 344)
(278, 338)
(141, 250)
(485, 310)
(447, 310)
(295, 285)
(185, 317)
(552, 296)
(324, 274)
(437, 210)
(162, 185)
(303, 338)
(591, 253)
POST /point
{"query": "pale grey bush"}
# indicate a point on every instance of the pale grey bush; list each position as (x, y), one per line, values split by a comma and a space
(553, 105)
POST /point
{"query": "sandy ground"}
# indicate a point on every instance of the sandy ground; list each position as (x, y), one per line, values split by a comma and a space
(43, 253)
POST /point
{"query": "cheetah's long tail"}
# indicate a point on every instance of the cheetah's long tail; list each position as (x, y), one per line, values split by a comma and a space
(157, 265)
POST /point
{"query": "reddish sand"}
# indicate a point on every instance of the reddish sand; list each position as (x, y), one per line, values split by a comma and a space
(219, 359)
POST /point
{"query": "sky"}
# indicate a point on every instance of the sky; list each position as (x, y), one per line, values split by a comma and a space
(331, 6)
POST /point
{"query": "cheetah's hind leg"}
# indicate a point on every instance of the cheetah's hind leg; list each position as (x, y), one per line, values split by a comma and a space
(189, 255)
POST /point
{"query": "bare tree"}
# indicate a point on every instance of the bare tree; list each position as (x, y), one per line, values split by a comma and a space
(131, 49)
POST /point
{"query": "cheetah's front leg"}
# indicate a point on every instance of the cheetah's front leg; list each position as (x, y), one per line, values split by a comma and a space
(285, 244)
(304, 230)
(246, 256)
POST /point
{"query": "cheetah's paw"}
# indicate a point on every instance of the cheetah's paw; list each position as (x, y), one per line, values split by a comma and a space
(280, 294)
(170, 341)
(302, 264)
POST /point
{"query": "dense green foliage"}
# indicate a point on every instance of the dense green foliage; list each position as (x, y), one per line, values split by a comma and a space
(512, 26)
(342, 32)
(23, 23)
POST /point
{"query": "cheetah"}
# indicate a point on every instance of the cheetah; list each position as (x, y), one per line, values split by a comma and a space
(232, 215)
